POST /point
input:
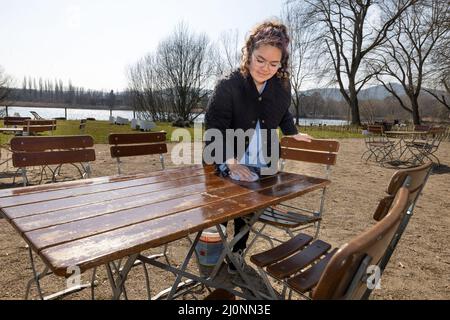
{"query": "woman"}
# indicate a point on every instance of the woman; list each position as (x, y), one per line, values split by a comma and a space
(255, 97)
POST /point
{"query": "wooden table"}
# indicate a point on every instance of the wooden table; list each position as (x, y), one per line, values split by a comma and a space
(88, 223)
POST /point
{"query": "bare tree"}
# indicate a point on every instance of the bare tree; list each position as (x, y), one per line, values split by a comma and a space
(226, 53)
(348, 30)
(184, 69)
(407, 50)
(145, 90)
(439, 78)
(5, 82)
(302, 52)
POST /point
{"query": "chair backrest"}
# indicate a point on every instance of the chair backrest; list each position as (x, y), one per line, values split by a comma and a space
(419, 127)
(34, 126)
(83, 123)
(376, 129)
(39, 151)
(418, 176)
(437, 134)
(316, 151)
(137, 144)
(15, 121)
(344, 274)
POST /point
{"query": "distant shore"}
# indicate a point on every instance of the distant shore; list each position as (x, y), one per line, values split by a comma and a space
(27, 104)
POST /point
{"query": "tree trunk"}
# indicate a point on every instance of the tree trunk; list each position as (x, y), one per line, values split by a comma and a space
(415, 110)
(354, 106)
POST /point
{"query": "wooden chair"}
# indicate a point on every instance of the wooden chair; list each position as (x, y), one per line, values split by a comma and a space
(137, 144)
(289, 218)
(315, 268)
(56, 150)
(82, 125)
(45, 151)
(378, 145)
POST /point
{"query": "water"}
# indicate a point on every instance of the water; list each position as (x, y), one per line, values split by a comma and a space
(72, 114)
(303, 121)
(77, 114)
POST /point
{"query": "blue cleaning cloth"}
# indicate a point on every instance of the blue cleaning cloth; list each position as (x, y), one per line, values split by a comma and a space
(254, 171)
(254, 176)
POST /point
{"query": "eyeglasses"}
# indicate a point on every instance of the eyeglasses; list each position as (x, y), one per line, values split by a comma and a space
(261, 63)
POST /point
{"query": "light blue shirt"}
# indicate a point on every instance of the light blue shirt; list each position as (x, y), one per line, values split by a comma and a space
(254, 154)
(253, 157)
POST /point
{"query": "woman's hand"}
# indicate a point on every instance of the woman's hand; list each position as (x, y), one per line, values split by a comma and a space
(236, 168)
(302, 137)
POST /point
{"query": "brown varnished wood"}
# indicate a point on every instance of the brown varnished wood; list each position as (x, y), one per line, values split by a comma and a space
(114, 197)
(40, 122)
(52, 218)
(299, 261)
(38, 128)
(48, 143)
(138, 150)
(51, 236)
(131, 138)
(309, 156)
(15, 121)
(96, 250)
(315, 144)
(120, 218)
(282, 251)
(25, 159)
(308, 279)
(64, 190)
(373, 243)
(95, 181)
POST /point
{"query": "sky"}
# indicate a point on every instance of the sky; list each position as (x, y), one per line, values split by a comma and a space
(91, 42)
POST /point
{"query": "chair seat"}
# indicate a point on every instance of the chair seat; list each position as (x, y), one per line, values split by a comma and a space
(220, 294)
(282, 251)
(309, 278)
(299, 261)
(287, 219)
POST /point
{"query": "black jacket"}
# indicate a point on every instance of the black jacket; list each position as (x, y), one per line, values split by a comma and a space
(237, 104)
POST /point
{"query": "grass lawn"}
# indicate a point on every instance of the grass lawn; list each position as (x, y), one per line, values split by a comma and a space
(99, 130)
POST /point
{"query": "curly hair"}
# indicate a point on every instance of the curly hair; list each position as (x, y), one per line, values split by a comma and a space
(267, 33)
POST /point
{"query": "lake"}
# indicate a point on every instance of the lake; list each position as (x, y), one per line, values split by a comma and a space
(76, 114)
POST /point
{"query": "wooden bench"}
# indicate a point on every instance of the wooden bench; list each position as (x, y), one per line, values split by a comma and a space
(32, 127)
(137, 144)
(56, 150)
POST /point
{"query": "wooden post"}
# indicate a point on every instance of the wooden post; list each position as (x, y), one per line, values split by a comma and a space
(134, 114)
(6, 109)
(65, 112)
(110, 112)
